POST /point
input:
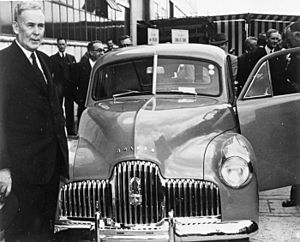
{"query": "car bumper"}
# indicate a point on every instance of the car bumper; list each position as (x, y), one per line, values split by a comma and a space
(169, 229)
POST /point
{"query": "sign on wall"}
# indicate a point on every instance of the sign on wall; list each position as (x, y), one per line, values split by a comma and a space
(180, 36)
(153, 36)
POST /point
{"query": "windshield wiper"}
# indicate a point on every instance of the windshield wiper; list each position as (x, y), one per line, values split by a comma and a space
(179, 92)
(130, 93)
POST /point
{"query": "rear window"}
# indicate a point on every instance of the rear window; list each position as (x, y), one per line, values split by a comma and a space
(172, 75)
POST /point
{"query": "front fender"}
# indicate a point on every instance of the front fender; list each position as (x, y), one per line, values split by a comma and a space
(236, 203)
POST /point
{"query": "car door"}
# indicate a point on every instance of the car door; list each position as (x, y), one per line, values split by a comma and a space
(269, 114)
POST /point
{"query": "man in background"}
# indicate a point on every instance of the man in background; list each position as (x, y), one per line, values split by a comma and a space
(61, 76)
(111, 45)
(292, 38)
(33, 147)
(125, 41)
(245, 62)
(80, 74)
(272, 39)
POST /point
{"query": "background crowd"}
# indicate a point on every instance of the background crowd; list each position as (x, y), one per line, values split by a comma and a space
(255, 48)
(71, 79)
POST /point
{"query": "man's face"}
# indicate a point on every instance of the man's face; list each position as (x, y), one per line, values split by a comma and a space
(61, 44)
(110, 44)
(96, 51)
(30, 28)
(273, 40)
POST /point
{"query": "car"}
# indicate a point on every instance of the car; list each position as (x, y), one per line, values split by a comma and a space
(168, 152)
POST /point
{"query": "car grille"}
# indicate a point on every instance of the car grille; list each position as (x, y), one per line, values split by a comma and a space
(136, 193)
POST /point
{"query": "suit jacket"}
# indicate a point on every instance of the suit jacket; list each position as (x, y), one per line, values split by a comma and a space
(245, 65)
(61, 74)
(31, 119)
(293, 72)
(257, 54)
(80, 74)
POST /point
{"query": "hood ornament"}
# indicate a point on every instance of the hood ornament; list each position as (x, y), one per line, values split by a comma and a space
(135, 196)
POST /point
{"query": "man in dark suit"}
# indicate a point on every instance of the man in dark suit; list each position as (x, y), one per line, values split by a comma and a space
(245, 62)
(61, 77)
(272, 39)
(80, 74)
(33, 146)
(292, 38)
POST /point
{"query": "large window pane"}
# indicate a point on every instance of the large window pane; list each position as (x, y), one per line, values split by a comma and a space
(64, 21)
(5, 17)
(71, 22)
(49, 19)
(56, 20)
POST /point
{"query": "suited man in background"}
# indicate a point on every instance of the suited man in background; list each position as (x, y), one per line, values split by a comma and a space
(61, 77)
(33, 147)
(80, 73)
(292, 39)
(272, 39)
(245, 62)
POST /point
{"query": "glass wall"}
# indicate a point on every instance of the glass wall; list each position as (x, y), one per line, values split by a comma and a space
(82, 20)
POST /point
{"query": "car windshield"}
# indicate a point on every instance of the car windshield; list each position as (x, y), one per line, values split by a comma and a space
(173, 75)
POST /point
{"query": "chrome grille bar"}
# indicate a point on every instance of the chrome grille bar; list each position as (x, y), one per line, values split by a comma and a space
(186, 197)
(140, 169)
(128, 208)
(146, 194)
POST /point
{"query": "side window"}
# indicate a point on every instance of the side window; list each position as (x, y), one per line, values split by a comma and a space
(261, 84)
(278, 75)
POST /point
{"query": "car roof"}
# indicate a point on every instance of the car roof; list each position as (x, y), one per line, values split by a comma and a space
(203, 51)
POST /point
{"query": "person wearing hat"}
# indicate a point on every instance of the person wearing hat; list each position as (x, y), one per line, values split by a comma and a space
(221, 41)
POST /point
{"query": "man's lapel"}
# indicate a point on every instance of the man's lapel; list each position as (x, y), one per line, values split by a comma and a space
(45, 67)
(47, 74)
(69, 59)
(26, 70)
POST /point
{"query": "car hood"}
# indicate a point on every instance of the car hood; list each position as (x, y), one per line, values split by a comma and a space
(171, 132)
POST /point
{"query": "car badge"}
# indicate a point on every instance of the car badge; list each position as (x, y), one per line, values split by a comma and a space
(135, 196)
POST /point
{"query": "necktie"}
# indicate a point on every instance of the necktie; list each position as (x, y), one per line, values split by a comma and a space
(34, 63)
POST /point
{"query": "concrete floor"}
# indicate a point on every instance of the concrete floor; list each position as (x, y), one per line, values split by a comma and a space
(277, 224)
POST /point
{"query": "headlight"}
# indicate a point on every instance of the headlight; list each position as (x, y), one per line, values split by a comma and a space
(235, 168)
(235, 172)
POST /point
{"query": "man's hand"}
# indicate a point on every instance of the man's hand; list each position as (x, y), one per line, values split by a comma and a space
(5, 183)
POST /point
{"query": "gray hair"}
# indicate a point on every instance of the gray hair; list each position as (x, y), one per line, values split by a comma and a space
(247, 42)
(28, 5)
(271, 31)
